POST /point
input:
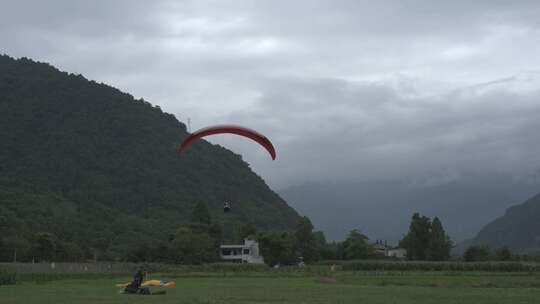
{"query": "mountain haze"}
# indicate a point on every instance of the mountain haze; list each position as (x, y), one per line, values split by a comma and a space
(383, 209)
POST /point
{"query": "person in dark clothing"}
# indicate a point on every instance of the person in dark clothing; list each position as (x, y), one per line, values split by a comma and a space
(135, 285)
(226, 207)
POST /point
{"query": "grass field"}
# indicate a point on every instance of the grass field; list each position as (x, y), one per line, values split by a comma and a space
(343, 287)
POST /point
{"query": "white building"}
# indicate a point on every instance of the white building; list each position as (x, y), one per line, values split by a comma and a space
(246, 253)
(399, 253)
(382, 249)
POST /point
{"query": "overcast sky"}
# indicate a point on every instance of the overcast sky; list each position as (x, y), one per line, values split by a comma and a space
(346, 90)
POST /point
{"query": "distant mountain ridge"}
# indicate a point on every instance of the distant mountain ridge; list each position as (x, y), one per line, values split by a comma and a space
(382, 209)
(518, 228)
(79, 154)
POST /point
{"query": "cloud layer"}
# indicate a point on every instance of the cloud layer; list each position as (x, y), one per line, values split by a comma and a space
(346, 90)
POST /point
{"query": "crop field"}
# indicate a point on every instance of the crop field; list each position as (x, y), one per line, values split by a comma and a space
(290, 287)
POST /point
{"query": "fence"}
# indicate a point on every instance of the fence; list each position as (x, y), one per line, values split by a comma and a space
(97, 268)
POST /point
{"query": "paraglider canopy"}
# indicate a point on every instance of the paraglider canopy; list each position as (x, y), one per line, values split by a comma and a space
(231, 129)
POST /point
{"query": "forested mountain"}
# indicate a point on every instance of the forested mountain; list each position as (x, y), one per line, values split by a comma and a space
(382, 209)
(518, 229)
(95, 169)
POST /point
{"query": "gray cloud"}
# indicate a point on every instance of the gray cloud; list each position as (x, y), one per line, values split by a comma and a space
(373, 133)
(347, 90)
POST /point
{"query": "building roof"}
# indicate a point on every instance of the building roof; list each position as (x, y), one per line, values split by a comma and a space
(233, 246)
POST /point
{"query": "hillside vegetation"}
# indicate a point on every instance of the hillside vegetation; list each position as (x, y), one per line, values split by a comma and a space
(93, 172)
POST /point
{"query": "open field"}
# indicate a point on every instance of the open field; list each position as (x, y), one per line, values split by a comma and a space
(339, 287)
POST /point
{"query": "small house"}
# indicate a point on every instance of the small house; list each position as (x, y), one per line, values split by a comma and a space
(399, 253)
(245, 253)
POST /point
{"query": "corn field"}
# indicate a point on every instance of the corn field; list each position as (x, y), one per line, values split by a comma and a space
(440, 266)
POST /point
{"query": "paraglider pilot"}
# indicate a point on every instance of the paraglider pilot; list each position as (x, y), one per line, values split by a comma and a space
(226, 207)
(135, 285)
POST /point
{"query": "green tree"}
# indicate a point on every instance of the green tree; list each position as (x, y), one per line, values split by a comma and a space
(439, 242)
(215, 232)
(503, 254)
(340, 250)
(190, 247)
(130, 247)
(326, 251)
(200, 218)
(100, 244)
(356, 246)
(44, 246)
(417, 240)
(69, 252)
(277, 247)
(305, 241)
(14, 248)
(476, 254)
(247, 230)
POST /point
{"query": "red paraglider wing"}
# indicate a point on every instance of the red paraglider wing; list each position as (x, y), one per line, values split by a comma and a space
(231, 129)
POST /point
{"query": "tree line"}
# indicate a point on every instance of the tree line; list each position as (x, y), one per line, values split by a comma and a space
(199, 241)
(193, 243)
(426, 240)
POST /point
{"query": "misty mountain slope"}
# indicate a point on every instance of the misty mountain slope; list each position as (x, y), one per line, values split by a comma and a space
(383, 209)
(92, 146)
(518, 228)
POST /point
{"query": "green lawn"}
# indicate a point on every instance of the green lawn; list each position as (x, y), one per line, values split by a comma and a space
(341, 288)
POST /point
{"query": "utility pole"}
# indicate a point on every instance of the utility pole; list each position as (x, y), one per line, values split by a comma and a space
(189, 124)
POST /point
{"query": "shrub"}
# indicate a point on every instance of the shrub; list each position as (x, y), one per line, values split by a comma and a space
(7, 277)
